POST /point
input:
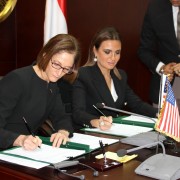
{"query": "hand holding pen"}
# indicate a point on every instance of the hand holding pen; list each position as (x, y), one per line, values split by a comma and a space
(31, 142)
(105, 122)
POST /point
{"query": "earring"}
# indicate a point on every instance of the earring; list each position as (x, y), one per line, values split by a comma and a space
(95, 59)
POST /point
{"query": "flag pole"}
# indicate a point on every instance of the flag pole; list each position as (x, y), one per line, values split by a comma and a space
(159, 108)
(160, 94)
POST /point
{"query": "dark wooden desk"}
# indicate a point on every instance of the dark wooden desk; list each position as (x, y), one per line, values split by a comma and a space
(126, 171)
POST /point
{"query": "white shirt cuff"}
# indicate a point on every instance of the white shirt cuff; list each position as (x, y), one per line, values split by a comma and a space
(159, 67)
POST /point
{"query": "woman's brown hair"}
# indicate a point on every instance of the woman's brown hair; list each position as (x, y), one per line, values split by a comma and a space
(57, 44)
(108, 33)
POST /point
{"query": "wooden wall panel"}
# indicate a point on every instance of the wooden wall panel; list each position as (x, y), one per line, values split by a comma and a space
(30, 22)
(7, 44)
(21, 35)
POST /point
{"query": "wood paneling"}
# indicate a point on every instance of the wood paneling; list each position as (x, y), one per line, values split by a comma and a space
(7, 44)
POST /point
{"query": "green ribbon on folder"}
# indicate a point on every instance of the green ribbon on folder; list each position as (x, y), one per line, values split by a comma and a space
(69, 145)
(120, 120)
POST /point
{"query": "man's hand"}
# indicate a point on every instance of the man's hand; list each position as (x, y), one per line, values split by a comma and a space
(168, 70)
(176, 69)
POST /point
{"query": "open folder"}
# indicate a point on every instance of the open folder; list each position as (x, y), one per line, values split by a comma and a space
(46, 155)
(124, 130)
(127, 126)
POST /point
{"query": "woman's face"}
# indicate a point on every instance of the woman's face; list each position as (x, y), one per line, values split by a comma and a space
(108, 54)
(59, 65)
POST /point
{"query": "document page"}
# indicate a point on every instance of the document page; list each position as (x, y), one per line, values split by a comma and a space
(46, 153)
(23, 162)
(121, 130)
(92, 141)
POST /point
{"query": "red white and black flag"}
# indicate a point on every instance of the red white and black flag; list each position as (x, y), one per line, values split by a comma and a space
(55, 20)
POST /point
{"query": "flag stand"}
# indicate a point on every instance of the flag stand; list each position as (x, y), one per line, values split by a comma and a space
(163, 166)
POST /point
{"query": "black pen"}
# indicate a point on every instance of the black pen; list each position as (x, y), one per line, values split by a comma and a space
(29, 129)
(103, 150)
(99, 110)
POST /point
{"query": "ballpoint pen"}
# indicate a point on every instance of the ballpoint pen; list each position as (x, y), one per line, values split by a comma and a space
(100, 112)
(29, 129)
(103, 150)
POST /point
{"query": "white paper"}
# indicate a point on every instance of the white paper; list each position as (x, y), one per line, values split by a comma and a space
(121, 130)
(22, 161)
(140, 119)
(46, 153)
(92, 141)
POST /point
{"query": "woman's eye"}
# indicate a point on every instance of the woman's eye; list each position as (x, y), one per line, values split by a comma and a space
(107, 51)
(117, 52)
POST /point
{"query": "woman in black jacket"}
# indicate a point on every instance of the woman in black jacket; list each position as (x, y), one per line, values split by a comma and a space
(31, 93)
(99, 81)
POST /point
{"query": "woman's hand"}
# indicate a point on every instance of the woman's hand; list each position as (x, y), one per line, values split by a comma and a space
(28, 142)
(61, 137)
(103, 123)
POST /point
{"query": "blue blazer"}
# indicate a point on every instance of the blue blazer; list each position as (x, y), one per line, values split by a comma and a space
(90, 88)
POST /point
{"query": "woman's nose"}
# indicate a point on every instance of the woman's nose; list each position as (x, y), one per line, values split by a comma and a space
(113, 56)
(59, 72)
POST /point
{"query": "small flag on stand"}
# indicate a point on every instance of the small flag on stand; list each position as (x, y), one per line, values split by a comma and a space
(55, 21)
(168, 121)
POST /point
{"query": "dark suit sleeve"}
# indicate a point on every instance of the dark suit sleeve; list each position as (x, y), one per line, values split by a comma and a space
(135, 104)
(148, 43)
(10, 92)
(80, 115)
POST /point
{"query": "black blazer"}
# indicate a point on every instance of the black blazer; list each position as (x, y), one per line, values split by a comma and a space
(158, 41)
(90, 88)
(24, 94)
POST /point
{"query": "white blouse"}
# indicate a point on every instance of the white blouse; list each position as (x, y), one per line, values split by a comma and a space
(113, 91)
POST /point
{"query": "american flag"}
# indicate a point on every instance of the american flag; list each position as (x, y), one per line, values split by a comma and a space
(169, 120)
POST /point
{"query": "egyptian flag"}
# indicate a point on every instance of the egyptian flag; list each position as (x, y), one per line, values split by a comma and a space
(55, 19)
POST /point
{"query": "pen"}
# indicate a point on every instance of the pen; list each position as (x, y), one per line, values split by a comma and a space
(29, 129)
(99, 110)
(103, 150)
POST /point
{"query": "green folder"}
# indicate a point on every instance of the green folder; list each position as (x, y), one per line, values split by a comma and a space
(120, 120)
(69, 145)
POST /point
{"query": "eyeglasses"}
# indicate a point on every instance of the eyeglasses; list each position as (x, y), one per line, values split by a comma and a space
(58, 66)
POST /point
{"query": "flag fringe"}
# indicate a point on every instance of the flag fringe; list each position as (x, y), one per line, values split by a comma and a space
(156, 127)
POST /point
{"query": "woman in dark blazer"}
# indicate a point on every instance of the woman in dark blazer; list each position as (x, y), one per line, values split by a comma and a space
(99, 81)
(31, 93)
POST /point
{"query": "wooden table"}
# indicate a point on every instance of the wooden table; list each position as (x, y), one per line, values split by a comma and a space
(125, 172)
